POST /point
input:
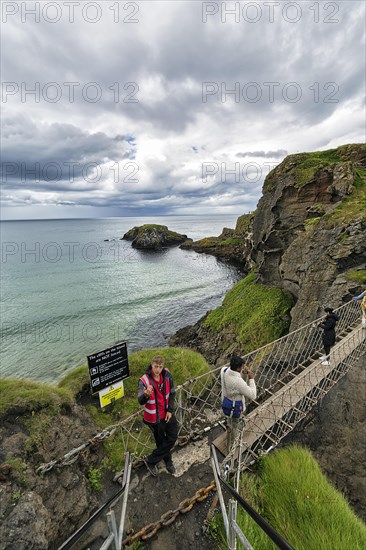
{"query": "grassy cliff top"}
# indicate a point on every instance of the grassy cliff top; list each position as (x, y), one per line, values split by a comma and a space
(254, 313)
(304, 166)
(296, 498)
(27, 397)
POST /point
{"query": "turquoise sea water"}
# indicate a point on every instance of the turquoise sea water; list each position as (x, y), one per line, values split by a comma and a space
(66, 292)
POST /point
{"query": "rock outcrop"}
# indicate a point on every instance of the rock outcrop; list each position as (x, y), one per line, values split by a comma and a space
(233, 245)
(309, 228)
(153, 237)
(307, 235)
(39, 512)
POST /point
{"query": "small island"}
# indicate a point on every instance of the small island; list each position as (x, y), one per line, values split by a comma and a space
(153, 237)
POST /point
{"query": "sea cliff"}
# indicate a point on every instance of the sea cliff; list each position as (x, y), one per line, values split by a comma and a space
(306, 238)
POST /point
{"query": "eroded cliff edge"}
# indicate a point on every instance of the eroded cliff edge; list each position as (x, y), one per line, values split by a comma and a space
(307, 237)
(309, 228)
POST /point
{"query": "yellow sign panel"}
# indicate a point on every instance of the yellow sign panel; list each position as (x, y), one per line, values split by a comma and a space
(110, 394)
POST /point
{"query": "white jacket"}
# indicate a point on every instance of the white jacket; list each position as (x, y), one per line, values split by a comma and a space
(235, 388)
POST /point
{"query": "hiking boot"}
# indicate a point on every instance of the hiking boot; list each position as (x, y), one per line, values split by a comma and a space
(151, 467)
(325, 363)
(170, 467)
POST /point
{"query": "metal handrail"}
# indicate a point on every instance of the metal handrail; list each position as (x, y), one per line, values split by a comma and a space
(260, 521)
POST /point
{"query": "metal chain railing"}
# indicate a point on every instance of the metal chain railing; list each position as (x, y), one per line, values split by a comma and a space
(276, 366)
(150, 530)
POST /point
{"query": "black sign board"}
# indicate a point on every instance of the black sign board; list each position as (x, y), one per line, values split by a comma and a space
(108, 367)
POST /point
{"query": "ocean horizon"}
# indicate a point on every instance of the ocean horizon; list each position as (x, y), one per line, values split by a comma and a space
(70, 287)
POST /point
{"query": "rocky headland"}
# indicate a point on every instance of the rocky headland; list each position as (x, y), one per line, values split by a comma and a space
(306, 238)
(233, 245)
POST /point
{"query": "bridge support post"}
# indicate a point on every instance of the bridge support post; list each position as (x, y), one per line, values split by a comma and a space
(180, 409)
(232, 519)
(111, 518)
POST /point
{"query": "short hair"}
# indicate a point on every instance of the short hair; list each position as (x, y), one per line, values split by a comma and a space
(328, 310)
(236, 362)
(158, 360)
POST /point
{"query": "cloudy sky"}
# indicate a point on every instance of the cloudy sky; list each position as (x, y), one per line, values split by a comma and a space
(170, 107)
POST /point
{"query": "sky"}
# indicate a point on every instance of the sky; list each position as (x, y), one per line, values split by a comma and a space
(170, 107)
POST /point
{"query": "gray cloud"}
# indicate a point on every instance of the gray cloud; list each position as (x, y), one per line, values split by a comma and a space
(279, 154)
(175, 93)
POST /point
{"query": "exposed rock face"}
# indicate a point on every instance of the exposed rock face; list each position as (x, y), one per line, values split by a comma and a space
(309, 228)
(153, 237)
(40, 512)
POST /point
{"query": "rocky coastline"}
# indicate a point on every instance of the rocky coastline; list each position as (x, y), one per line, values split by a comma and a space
(304, 247)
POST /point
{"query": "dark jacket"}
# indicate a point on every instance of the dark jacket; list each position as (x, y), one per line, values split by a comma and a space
(168, 391)
(328, 326)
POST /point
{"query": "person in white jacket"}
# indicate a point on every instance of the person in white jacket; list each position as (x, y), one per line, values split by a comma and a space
(235, 388)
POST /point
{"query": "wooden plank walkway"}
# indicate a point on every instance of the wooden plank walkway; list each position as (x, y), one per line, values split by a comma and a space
(265, 416)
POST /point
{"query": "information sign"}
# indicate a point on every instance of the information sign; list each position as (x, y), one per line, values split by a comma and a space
(110, 394)
(108, 367)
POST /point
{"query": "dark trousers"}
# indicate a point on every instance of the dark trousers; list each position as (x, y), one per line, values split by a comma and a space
(165, 435)
(327, 349)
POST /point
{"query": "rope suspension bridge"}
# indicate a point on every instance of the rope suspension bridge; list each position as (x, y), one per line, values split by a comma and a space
(290, 377)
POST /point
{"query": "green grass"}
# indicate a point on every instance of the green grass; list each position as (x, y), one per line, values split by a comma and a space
(76, 381)
(95, 479)
(243, 224)
(358, 276)
(27, 397)
(253, 313)
(295, 497)
(183, 363)
(19, 470)
(304, 166)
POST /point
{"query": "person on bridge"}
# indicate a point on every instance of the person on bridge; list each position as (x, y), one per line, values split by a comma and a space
(235, 389)
(362, 298)
(156, 392)
(329, 335)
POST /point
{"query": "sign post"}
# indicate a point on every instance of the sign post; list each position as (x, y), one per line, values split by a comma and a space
(107, 369)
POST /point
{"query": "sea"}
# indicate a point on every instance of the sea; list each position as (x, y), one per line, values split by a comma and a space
(72, 287)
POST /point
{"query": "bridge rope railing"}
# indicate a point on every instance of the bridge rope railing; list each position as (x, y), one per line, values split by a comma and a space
(198, 400)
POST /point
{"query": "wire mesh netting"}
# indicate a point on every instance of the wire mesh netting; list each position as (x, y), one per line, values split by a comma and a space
(290, 377)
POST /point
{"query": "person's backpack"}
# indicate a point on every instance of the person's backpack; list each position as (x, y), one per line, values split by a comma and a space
(229, 407)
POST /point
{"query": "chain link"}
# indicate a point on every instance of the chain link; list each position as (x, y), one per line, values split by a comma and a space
(150, 530)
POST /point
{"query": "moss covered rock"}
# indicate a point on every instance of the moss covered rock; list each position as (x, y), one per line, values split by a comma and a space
(233, 245)
(250, 316)
(153, 237)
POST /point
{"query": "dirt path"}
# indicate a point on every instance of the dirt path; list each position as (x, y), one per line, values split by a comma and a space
(150, 497)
